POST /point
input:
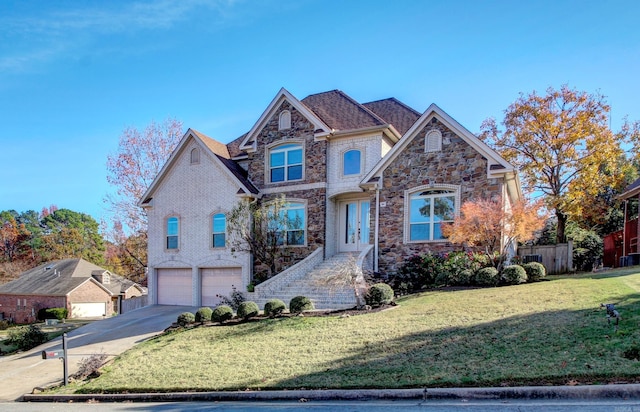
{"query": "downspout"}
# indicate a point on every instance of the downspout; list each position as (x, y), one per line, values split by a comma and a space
(377, 226)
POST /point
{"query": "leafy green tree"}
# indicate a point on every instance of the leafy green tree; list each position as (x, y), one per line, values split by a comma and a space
(72, 234)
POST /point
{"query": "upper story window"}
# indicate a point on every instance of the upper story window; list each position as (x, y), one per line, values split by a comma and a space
(219, 230)
(433, 141)
(285, 163)
(195, 156)
(427, 211)
(172, 232)
(351, 162)
(285, 120)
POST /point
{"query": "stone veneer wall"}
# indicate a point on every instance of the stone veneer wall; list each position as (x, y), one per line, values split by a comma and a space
(457, 164)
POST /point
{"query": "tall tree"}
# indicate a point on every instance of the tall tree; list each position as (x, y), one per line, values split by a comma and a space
(72, 234)
(562, 144)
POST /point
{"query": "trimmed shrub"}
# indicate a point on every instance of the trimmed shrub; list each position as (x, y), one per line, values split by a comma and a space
(203, 314)
(514, 275)
(379, 294)
(222, 314)
(487, 276)
(300, 304)
(27, 337)
(234, 299)
(274, 307)
(535, 271)
(248, 310)
(53, 313)
(185, 318)
(463, 278)
(443, 279)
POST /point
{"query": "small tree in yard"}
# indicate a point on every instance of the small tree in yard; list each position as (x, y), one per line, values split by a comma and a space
(346, 276)
(261, 229)
(485, 223)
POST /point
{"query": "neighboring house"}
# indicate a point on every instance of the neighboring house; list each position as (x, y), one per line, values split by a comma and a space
(377, 179)
(621, 248)
(85, 289)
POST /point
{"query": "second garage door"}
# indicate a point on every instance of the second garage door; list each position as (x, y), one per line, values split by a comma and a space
(175, 287)
(219, 281)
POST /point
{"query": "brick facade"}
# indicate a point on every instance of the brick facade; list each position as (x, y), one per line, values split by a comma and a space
(24, 308)
(89, 292)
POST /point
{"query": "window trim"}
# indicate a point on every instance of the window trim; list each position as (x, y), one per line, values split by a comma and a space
(407, 208)
(360, 165)
(274, 147)
(214, 233)
(167, 235)
(433, 141)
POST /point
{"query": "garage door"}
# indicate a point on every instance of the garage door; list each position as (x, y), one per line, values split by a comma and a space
(174, 287)
(219, 281)
(88, 310)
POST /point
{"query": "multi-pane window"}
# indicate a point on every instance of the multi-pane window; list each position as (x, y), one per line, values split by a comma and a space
(219, 230)
(428, 210)
(172, 233)
(290, 224)
(285, 163)
(351, 162)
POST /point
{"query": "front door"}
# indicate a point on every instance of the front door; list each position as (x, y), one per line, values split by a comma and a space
(354, 224)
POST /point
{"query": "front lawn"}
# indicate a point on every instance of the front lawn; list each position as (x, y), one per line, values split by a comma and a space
(542, 333)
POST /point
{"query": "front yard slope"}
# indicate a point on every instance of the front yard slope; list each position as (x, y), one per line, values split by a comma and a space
(551, 332)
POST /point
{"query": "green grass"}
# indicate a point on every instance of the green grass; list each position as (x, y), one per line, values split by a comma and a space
(551, 332)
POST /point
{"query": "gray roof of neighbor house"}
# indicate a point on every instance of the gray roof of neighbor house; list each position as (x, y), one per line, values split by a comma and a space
(58, 278)
(631, 191)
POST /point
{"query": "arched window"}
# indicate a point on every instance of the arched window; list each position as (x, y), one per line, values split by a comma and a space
(285, 163)
(195, 156)
(172, 232)
(285, 120)
(433, 141)
(428, 210)
(351, 162)
(219, 228)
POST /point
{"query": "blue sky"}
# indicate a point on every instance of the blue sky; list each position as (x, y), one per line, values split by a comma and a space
(74, 73)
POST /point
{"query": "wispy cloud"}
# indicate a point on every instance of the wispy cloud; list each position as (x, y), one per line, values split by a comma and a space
(37, 39)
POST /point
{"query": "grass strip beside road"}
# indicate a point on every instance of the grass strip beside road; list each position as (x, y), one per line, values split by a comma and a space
(551, 332)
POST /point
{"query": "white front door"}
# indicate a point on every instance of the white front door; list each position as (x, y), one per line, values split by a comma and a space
(354, 225)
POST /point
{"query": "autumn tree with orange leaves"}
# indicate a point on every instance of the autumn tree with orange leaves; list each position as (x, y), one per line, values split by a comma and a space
(486, 223)
(562, 144)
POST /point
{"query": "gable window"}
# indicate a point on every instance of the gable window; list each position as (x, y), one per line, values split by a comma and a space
(291, 225)
(433, 141)
(428, 210)
(351, 162)
(172, 233)
(195, 156)
(219, 230)
(284, 122)
(285, 163)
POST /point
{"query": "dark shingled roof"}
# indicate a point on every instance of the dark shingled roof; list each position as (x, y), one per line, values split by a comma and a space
(341, 112)
(58, 278)
(234, 146)
(393, 111)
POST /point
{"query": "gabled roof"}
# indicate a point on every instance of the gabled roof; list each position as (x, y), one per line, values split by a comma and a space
(220, 154)
(497, 165)
(341, 112)
(393, 111)
(320, 127)
(57, 278)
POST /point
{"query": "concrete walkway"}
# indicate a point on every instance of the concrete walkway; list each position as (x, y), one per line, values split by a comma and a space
(22, 372)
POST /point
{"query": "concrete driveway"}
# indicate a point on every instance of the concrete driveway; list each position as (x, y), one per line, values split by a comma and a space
(21, 373)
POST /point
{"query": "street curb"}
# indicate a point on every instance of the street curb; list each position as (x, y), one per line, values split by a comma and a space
(618, 391)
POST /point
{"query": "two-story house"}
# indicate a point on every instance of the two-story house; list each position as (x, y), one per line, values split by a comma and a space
(375, 179)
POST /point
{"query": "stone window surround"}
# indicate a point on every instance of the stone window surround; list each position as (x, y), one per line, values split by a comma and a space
(195, 156)
(213, 233)
(433, 141)
(362, 159)
(407, 208)
(304, 203)
(284, 120)
(166, 232)
(267, 160)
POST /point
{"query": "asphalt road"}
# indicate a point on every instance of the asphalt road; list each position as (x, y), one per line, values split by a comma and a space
(21, 373)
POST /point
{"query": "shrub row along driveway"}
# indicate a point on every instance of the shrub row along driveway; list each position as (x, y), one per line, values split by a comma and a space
(22, 372)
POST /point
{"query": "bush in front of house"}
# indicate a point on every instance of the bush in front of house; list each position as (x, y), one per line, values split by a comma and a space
(514, 275)
(27, 337)
(379, 294)
(185, 318)
(535, 271)
(462, 278)
(487, 277)
(248, 309)
(300, 304)
(273, 308)
(53, 313)
(222, 314)
(203, 314)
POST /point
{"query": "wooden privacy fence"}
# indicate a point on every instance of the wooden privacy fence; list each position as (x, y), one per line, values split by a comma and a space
(127, 305)
(555, 258)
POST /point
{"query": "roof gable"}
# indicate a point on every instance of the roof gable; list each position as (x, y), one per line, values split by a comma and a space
(341, 112)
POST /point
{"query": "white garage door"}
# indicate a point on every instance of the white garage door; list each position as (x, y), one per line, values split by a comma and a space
(174, 287)
(88, 310)
(219, 281)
